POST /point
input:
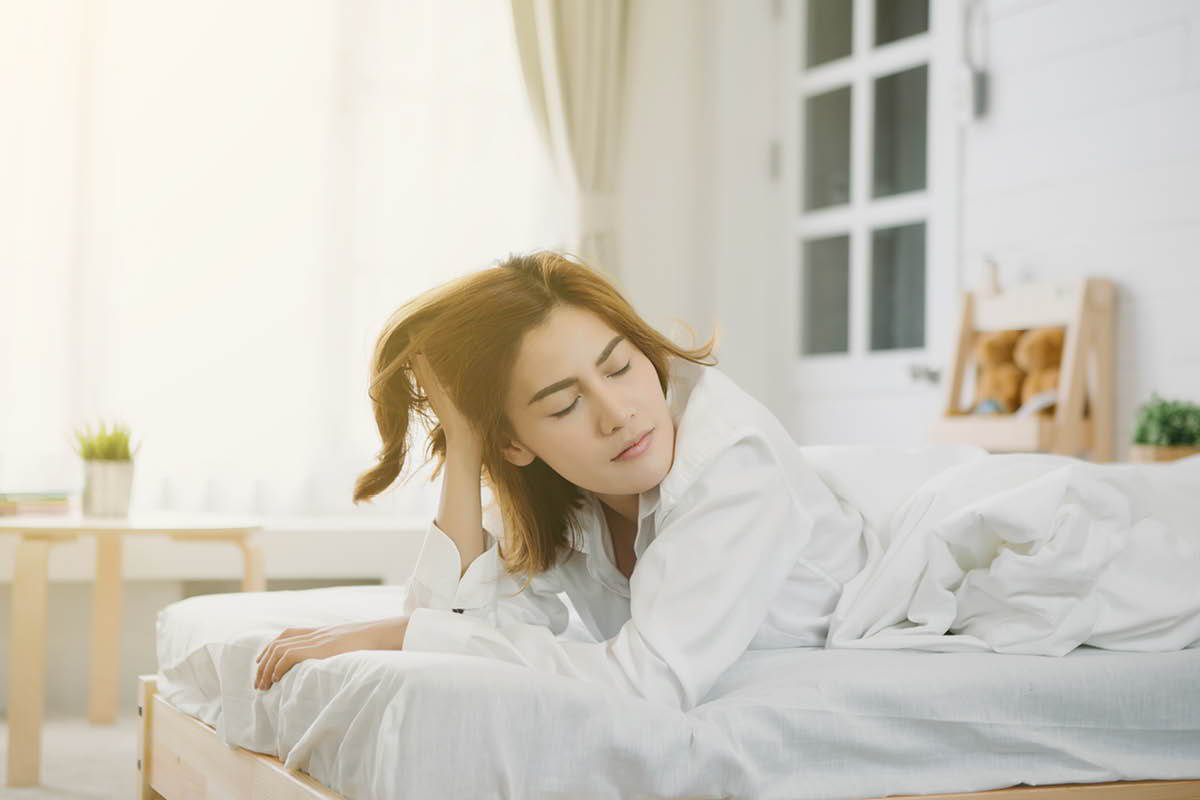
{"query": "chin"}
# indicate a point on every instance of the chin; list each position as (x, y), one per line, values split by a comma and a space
(651, 473)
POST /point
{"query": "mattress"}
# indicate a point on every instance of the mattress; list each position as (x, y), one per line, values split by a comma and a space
(794, 723)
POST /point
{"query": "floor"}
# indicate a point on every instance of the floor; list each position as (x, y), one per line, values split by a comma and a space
(80, 761)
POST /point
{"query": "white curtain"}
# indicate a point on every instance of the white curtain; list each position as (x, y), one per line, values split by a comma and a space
(572, 55)
(210, 209)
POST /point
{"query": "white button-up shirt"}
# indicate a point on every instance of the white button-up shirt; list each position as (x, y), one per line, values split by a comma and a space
(741, 546)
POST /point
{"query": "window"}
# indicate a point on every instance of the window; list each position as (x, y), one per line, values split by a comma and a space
(898, 287)
(830, 23)
(826, 295)
(827, 149)
(862, 102)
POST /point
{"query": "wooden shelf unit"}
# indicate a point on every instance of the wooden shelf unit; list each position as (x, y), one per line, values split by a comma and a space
(1083, 417)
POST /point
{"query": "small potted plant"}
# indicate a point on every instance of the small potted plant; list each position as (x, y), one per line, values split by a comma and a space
(108, 470)
(1166, 430)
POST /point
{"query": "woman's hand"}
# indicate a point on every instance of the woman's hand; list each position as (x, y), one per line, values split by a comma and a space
(297, 644)
(453, 422)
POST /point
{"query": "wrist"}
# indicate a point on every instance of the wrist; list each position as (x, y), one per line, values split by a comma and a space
(464, 448)
(391, 633)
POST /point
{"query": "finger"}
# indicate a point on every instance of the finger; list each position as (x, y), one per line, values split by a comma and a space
(279, 650)
(264, 657)
(272, 654)
(287, 635)
(273, 651)
(282, 666)
(293, 656)
(268, 667)
(268, 655)
(285, 632)
(262, 667)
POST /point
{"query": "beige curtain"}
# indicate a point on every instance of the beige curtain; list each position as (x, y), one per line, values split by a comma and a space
(572, 56)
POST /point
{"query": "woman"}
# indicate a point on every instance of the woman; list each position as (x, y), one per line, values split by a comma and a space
(670, 507)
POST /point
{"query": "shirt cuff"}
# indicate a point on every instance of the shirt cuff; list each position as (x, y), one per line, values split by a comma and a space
(441, 631)
(435, 581)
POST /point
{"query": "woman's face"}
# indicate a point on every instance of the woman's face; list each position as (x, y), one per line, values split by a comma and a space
(580, 393)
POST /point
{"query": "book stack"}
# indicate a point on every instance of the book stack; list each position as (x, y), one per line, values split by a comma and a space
(34, 503)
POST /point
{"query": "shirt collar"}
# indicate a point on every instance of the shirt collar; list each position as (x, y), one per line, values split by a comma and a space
(592, 516)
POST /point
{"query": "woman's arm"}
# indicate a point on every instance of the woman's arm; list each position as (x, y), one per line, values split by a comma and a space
(460, 514)
(294, 645)
(700, 591)
(484, 589)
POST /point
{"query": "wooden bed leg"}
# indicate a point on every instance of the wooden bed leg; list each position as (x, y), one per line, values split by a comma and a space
(147, 686)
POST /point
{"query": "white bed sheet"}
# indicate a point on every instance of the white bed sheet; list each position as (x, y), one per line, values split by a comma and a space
(800, 723)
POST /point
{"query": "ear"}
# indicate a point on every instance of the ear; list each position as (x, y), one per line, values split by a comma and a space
(516, 453)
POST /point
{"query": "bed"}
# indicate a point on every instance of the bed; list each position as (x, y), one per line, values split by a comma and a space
(795, 723)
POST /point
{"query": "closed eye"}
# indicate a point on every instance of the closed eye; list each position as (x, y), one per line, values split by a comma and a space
(567, 410)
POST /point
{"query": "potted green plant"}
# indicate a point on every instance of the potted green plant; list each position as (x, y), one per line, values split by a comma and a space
(1166, 430)
(108, 470)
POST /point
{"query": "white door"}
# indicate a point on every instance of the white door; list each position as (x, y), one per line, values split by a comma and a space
(872, 98)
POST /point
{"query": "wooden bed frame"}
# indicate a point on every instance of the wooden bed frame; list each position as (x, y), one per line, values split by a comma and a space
(183, 758)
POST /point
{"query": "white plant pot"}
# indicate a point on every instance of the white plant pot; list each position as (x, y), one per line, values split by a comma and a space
(107, 486)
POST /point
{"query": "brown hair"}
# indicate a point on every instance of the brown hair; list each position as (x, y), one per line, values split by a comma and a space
(470, 330)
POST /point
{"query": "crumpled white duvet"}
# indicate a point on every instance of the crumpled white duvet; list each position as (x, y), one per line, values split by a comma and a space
(1034, 554)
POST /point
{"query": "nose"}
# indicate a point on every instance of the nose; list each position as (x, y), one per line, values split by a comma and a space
(614, 410)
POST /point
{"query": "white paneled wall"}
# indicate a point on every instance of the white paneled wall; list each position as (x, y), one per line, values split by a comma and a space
(1089, 163)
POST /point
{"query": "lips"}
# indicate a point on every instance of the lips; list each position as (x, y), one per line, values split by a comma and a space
(632, 444)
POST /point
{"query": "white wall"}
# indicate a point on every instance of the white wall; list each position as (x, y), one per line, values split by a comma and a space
(700, 218)
(1089, 164)
(664, 193)
(746, 210)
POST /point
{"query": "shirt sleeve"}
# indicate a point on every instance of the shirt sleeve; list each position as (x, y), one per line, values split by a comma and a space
(698, 595)
(482, 591)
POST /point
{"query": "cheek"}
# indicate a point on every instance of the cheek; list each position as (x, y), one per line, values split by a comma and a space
(649, 381)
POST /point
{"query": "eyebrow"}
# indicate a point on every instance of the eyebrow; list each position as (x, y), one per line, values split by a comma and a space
(565, 382)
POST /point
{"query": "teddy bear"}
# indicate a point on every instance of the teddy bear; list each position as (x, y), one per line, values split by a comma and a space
(1039, 353)
(998, 379)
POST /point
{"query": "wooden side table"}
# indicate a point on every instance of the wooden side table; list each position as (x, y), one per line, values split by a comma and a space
(27, 652)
